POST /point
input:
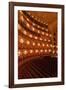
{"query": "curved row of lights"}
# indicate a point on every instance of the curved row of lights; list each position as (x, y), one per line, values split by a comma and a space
(35, 25)
(41, 51)
(37, 19)
(35, 37)
(34, 44)
(38, 26)
(33, 29)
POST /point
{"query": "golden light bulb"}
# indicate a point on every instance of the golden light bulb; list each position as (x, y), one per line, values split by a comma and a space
(42, 33)
(25, 52)
(19, 27)
(49, 50)
(45, 40)
(27, 19)
(33, 44)
(50, 45)
(22, 18)
(49, 40)
(38, 26)
(28, 25)
(43, 44)
(31, 51)
(36, 37)
(38, 44)
(25, 32)
(30, 35)
(41, 39)
(46, 34)
(21, 40)
(19, 53)
(41, 50)
(50, 35)
(36, 51)
(28, 42)
(33, 24)
(38, 31)
(33, 29)
(47, 45)
(45, 50)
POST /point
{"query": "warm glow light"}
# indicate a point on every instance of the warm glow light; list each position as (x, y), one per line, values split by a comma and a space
(30, 35)
(45, 50)
(50, 45)
(38, 44)
(25, 52)
(49, 50)
(47, 45)
(49, 40)
(21, 41)
(42, 33)
(36, 51)
(38, 31)
(50, 35)
(19, 27)
(43, 44)
(43, 28)
(19, 53)
(31, 51)
(36, 37)
(33, 24)
(40, 38)
(41, 50)
(38, 26)
(28, 42)
(46, 34)
(27, 19)
(22, 18)
(33, 44)
(53, 51)
(28, 25)
(20, 11)
(45, 40)
(25, 32)
(33, 29)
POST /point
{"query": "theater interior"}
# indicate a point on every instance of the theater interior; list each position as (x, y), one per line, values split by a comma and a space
(37, 44)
